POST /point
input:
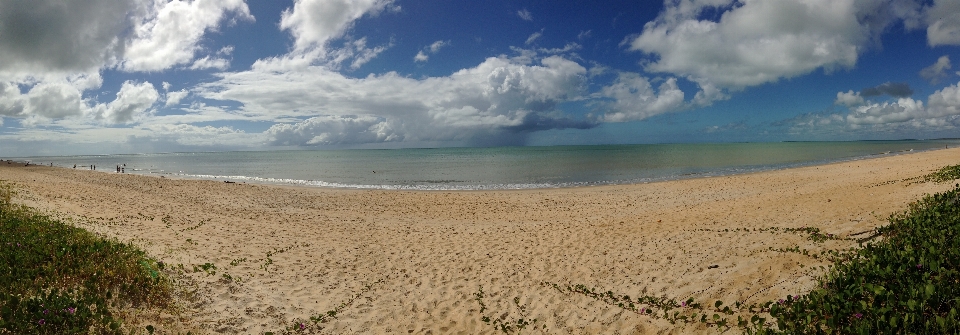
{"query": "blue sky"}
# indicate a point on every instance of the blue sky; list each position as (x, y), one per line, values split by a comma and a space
(98, 77)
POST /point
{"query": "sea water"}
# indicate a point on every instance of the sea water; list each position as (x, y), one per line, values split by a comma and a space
(492, 168)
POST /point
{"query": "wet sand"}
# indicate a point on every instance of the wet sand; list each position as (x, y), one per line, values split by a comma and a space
(412, 262)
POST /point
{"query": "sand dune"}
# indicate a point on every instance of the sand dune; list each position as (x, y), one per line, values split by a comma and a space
(413, 262)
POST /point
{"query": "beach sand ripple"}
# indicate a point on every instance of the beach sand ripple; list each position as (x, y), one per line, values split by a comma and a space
(414, 262)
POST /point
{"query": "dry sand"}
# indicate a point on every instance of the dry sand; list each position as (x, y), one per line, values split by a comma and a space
(412, 262)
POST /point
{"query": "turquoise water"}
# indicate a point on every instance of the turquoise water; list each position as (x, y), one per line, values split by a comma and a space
(493, 168)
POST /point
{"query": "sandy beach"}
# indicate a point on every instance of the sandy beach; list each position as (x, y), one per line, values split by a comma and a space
(413, 262)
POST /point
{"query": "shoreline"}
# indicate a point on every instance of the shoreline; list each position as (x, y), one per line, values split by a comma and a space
(414, 260)
(372, 184)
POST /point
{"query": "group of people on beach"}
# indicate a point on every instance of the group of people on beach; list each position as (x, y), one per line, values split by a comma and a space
(120, 168)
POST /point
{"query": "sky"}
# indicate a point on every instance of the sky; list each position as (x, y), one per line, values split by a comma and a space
(144, 76)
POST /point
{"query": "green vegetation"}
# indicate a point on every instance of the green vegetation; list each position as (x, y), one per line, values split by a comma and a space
(908, 282)
(945, 174)
(59, 279)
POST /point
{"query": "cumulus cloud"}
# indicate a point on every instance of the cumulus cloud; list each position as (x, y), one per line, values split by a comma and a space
(171, 34)
(897, 90)
(333, 129)
(132, 100)
(902, 110)
(421, 57)
(525, 14)
(315, 22)
(634, 98)
(849, 99)
(11, 103)
(63, 99)
(943, 20)
(498, 96)
(938, 71)
(55, 100)
(940, 112)
(757, 42)
(174, 98)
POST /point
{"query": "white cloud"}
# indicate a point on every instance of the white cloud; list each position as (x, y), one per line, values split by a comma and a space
(11, 102)
(210, 63)
(938, 71)
(315, 22)
(132, 100)
(432, 48)
(197, 136)
(421, 57)
(333, 129)
(757, 42)
(945, 101)
(634, 98)
(533, 37)
(566, 48)
(941, 112)
(498, 96)
(171, 35)
(904, 109)
(435, 46)
(525, 14)
(943, 20)
(356, 50)
(174, 98)
(849, 99)
(55, 100)
(49, 101)
(364, 54)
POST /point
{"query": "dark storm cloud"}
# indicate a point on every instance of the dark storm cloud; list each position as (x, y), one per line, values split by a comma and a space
(896, 90)
(57, 35)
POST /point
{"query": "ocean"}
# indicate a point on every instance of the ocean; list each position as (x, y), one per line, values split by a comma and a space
(492, 168)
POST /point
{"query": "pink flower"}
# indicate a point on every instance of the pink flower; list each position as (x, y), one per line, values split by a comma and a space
(683, 304)
(41, 322)
(858, 316)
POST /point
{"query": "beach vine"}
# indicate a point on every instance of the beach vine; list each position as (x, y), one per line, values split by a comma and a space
(502, 323)
(317, 322)
(905, 283)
